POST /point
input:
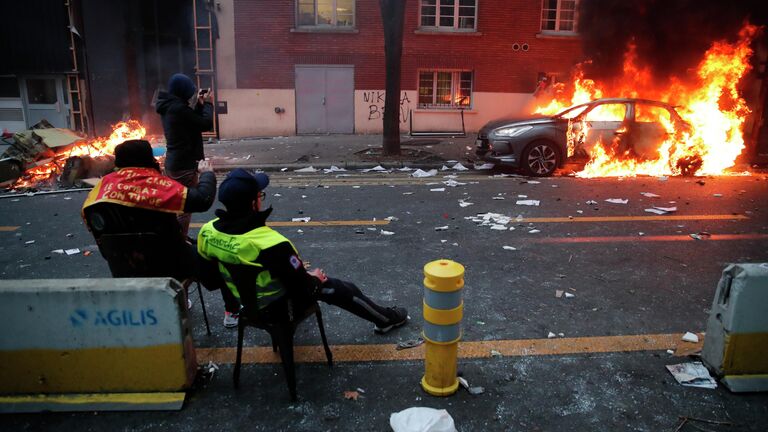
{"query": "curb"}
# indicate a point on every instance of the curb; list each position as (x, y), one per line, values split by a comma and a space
(272, 167)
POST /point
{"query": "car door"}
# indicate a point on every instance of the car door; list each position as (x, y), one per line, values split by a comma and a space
(606, 124)
(652, 125)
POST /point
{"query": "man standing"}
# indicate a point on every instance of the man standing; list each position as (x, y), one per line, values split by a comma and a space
(138, 199)
(240, 236)
(183, 127)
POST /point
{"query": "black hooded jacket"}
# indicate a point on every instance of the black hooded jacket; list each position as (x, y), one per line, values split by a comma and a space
(183, 127)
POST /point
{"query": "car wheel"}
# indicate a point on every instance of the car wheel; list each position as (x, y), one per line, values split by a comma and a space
(540, 159)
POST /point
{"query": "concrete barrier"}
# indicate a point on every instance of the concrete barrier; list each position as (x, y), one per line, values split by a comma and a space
(64, 336)
(736, 341)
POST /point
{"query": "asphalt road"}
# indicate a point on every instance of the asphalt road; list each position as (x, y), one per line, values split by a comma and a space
(629, 275)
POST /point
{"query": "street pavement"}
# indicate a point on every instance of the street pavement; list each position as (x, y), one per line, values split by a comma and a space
(638, 284)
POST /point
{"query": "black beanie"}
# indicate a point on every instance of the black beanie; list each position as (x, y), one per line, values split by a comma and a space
(181, 85)
(135, 153)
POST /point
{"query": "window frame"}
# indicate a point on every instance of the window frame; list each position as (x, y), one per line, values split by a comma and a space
(456, 17)
(333, 26)
(558, 19)
(455, 87)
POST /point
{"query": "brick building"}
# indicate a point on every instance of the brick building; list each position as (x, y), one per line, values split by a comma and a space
(317, 66)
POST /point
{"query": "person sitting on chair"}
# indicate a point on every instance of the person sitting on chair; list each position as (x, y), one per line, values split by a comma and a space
(138, 199)
(240, 236)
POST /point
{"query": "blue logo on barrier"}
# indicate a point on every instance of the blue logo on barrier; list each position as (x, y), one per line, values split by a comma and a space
(113, 318)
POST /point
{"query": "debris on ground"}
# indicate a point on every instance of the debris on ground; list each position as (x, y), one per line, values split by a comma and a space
(351, 395)
(391, 218)
(649, 195)
(459, 167)
(411, 343)
(437, 190)
(510, 248)
(569, 295)
(702, 235)
(559, 293)
(662, 178)
(498, 198)
(690, 337)
(453, 183)
(495, 353)
(693, 374)
(463, 203)
(534, 231)
(484, 167)
(333, 169)
(87, 253)
(717, 195)
(442, 228)
(529, 202)
(387, 233)
(377, 168)
(530, 182)
(591, 202)
(301, 219)
(551, 335)
(309, 169)
(405, 169)
(472, 390)
(616, 201)
(661, 210)
(422, 419)
(74, 251)
(419, 173)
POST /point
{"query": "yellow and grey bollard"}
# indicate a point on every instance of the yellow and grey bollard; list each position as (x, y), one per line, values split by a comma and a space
(443, 310)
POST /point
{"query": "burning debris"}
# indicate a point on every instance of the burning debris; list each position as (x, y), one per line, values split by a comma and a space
(45, 154)
(705, 140)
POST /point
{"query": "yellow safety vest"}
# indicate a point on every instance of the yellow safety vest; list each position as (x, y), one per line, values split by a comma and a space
(243, 249)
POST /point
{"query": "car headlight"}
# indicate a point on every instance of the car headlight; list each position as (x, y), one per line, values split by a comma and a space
(512, 131)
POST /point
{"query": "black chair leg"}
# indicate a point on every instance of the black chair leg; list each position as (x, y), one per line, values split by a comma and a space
(202, 303)
(238, 358)
(328, 354)
(286, 355)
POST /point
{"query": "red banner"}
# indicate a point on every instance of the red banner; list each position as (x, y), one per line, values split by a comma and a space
(139, 187)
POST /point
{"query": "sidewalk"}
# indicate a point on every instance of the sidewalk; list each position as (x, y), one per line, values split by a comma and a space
(344, 151)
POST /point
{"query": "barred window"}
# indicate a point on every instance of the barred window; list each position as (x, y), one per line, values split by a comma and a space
(445, 89)
(325, 13)
(458, 15)
(559, 15)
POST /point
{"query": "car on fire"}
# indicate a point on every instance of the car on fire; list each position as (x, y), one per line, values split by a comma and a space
(540, 145)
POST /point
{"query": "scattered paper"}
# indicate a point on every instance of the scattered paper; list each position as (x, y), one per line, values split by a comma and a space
(559, 293)
(569, 295)
(498, 198)
(309, 169)
(437, 190)
(701, 235)
(459, 167)
(301, 219)
(277, 195)
(662, 178)
(391, 218)
(484, 167)
(591, 202)
(422, 419)
(407, 193)
(333, 169)
(534, 231)
(532, 182)
(283, 169)
(420, 173)
(58, 251)
(616, 201)
(441, 228)
(463, 203)
(386, 232)
(472, 390)
(661, 210)
(551, 335)
(528, 202)
(453, 183)
(444, 168)
(74, 251)
(693, 374)
(412, 343)
(509, 248)
(522, 196)
(405, 169)
(377, 168)
(690, 337)
(495, 353)
(649, 195)
(717, 195)
(499, 227)
(29, 242)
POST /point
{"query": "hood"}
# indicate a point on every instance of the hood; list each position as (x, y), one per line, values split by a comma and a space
(511, 122)
(166, 100)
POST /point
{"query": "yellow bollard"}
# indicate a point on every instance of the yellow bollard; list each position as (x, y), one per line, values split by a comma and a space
(443, 310)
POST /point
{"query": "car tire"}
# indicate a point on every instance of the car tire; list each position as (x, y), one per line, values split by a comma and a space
(540, 159)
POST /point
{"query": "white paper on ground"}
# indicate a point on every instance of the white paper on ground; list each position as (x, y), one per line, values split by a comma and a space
(453, 183)
(441, 228)
(386, 232)
(421, 173)
(499, 227)
(498, 198)
(511, 248)
(58, 251)
(437, 190)
(74, 251)
(533, 182)
(377, 168)
(307, 169)
(444, 168)
(301, 219)
(459, 167)
(333, 169)
(534, 231)
(649, 194)
(422, 419)
(405, 169)
(485, 166)
(693, 374)
(655, 211)
(528, 202)
(463, 203)
(617, 200)
(551, 335)
(690, 337)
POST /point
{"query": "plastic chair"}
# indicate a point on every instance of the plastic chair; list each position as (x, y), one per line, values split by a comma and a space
(279, 319)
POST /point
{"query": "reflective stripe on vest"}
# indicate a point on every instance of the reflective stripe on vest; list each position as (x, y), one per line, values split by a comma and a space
(243, 249)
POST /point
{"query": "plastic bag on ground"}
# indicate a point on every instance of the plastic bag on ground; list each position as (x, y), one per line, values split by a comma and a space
(422, 419)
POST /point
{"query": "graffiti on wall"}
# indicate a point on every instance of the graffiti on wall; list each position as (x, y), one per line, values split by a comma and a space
(375, 100)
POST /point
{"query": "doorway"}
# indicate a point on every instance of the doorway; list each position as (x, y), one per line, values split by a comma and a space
(325, 99)
(45, 98)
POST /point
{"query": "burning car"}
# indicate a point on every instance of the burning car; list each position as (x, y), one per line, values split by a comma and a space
(632, 127)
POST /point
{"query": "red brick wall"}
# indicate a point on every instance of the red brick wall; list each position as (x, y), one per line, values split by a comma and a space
(267, 50)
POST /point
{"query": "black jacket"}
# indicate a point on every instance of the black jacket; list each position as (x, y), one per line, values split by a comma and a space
(183, 127)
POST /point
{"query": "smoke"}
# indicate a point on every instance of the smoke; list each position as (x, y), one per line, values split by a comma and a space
(671, 36)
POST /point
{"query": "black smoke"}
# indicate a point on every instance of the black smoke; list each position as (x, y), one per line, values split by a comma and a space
(671, 35)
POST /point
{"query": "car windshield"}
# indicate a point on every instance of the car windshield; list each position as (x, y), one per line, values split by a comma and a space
(572, 112)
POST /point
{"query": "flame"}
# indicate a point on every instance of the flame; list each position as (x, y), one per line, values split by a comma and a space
(706, 140)
(122, 131)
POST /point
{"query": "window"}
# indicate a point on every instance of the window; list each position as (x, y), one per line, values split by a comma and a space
(445, 89)
(456, 15)
(41, 91)
(559, 15)
(325, 13)
(608, 112)
(9, 87)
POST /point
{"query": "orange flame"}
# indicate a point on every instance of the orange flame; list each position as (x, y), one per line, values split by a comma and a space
(122, 131)
(710, 104)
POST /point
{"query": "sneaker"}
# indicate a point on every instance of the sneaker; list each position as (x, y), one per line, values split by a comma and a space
(230, 319)
(397, 317)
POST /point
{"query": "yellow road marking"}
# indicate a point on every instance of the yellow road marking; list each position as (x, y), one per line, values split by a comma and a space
(98, 398)
(470, 349)
(315, 223)
(633, 218)
(8, 228)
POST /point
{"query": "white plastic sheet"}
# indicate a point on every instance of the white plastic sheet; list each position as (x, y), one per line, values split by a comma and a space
(422, 419)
